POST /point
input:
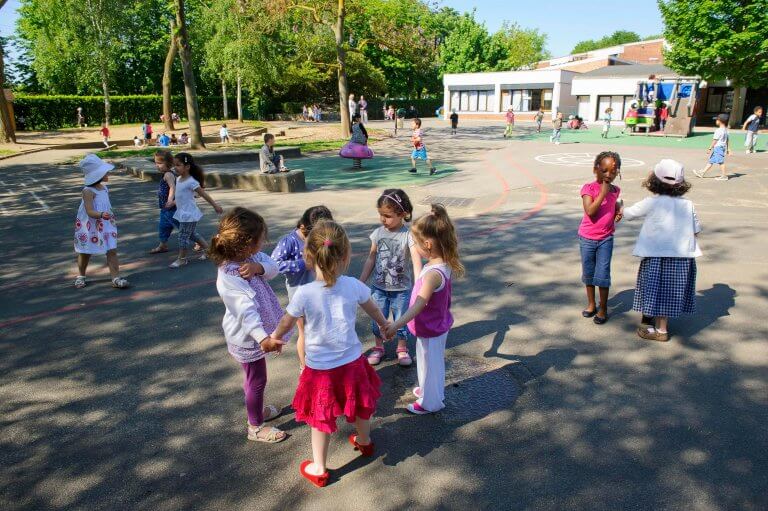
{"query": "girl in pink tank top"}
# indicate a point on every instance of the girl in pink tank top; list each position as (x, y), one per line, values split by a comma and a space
(429, 315)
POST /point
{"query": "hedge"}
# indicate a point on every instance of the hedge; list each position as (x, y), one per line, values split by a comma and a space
(425, 107)
(53, 112)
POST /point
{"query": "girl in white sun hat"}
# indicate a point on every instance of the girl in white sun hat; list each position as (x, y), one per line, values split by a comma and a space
(668, 245)
(95, 227)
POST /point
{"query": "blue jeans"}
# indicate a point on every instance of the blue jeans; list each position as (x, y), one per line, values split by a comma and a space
(166, 224)
(395, 302)
(596, 261)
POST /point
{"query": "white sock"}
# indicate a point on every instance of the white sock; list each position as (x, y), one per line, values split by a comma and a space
(661, 331)
(650, 330)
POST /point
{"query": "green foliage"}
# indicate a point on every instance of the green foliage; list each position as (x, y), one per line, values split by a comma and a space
(513, 47)
(618, 37)
(718, 39)
(54, 112)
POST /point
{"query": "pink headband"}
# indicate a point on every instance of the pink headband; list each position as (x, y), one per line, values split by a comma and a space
(397, 200)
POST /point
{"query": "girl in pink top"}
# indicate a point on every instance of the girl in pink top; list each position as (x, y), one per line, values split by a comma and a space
(429, 316)
(602, 208)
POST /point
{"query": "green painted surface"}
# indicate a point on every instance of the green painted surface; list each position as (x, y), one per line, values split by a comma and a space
(334, 172)
(699, 140)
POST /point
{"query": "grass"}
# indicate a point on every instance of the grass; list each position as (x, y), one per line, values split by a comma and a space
(7, 152)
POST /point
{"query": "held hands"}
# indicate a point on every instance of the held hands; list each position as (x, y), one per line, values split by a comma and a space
(170, 204)
(250, 270)
(218, 209)
(106, 215)
(388, 330)
(272, 344)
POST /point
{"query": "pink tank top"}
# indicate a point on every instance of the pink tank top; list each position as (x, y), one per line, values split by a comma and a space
(435, 319)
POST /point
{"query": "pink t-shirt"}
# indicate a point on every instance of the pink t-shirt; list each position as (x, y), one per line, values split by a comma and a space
(510, 117)
(601, 225)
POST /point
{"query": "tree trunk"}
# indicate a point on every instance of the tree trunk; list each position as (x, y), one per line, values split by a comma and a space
(239, 98)
(167, 69)
(341, 56)
(190, 88)
(7, 131)
(224, 98)
(107, 103)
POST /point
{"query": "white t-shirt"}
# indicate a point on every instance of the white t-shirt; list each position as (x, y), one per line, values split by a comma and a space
(186, 207)
(223, 132)
(329, 321)
(721, 135)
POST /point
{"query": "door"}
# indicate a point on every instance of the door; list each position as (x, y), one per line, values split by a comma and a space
(583, 107)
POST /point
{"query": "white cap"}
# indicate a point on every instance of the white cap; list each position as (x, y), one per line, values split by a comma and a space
(670, 172)
(94, 168)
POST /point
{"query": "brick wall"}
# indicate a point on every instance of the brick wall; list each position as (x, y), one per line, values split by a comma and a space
(644, 53)
(583, 67)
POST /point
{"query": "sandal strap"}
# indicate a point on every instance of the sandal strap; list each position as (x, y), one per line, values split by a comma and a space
(401, 350)
(380, 349)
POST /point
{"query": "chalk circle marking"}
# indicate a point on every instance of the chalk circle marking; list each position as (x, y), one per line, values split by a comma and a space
(580, 160)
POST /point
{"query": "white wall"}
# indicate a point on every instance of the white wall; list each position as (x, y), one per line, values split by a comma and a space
(604, 86)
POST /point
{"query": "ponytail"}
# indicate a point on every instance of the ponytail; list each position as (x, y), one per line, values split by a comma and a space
(437, 226)
(327, 249)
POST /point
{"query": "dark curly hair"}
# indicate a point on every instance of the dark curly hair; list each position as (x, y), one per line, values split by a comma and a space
(657, 186)
(397, 200)
(239, 229)
(608, 154)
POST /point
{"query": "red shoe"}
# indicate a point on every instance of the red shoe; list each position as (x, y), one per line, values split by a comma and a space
(318, 481)
(365, 450)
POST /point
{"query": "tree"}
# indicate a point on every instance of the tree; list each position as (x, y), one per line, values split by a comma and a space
(717, 40)
(173, 49)
(465, 49)
(190, 88)
(513, 47)
(7, 133)
(618, 37)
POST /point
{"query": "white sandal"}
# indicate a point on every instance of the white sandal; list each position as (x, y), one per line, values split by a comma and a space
(272, 436)
(119, 283)
(80, 282)
(178, 263)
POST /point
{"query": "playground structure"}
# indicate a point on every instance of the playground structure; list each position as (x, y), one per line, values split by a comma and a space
(356, 152)
(679, 94)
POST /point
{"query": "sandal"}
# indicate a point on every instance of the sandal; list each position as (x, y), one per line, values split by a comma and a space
(272, 436)
(417, 392)
(80, 282)
(271, 413)
(318, 481)
(119, 283)
(416, 409)
(158, 250)
(375, 356)
(645, 333)
(403, 357)
(365, 450)
(178, 263)
(198, 247)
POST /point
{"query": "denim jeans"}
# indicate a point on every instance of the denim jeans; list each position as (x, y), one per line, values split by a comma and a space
(395, 302)
(596, 261)
(166, 224)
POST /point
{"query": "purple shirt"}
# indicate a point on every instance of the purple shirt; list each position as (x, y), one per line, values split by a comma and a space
(601, 224)
(435, 318)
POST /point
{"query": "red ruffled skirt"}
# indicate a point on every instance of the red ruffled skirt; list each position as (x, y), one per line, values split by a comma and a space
(350, 390)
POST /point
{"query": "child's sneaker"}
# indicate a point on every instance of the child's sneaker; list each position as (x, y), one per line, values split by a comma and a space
(375, 356)
(721, 178)
(417, 392)
(698, 173)
(413, 170)
(178, 263)
(416, 409)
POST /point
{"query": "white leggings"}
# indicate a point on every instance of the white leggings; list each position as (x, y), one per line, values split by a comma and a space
(430, 367)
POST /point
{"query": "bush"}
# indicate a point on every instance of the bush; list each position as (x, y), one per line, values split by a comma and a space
(54, 112)
(425, 107)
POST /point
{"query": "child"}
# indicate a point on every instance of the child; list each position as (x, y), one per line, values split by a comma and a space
(752, 125)
(289, 256)
(454, 122)
(666, 279)
(510, 117)
(557, 125)
(105, 134)
(184, 139)
(429, 316)
(224, 134)
(163, 140)
(166, 203)
(95, 227)
(252, 310)
(146, 130)
(360, 138)
(189, 181)
(719, 147)
(269, 161)
(304, 113)
(419, 149)
(136, 142)
(337, 380)
(663, 116)
(174, 140)
(606, 122)
(538, 118)
(600, 200)
(390, 260)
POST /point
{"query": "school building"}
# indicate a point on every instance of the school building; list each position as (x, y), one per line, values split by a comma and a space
(584, 84)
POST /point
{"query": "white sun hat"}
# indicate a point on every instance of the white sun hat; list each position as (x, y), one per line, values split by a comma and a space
(670, 172)
(94, 168)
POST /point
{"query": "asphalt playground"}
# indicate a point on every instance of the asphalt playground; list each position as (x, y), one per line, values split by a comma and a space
(128, 399)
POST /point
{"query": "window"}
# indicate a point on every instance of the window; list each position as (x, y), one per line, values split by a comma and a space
(472, 100)
(464, 105)
(619, 104)
(517, 100)
(546, 103)
(455, 96)
(719, 99)
(482, 100)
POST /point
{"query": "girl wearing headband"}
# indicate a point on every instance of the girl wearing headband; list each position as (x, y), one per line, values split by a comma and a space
(391, 260)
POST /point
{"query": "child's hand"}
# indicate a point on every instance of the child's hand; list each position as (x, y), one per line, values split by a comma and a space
(250, 270)
(709, 149)
(605, 187)
(388, 330)
(218, 209)
(270, 344)
(170, 204)
(619, 216)
(105, 215)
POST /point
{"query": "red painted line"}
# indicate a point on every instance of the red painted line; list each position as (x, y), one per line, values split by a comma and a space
(135, 296)
(505, 189)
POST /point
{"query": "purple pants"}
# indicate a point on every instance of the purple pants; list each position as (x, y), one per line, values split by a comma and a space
(254, 382)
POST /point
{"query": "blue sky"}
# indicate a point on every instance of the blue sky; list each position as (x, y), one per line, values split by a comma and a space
(565, 22)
